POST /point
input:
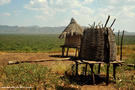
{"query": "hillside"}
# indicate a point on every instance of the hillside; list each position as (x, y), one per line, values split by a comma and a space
(4, 29)
(126, 33)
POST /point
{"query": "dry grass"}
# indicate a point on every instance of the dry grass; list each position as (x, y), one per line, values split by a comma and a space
(125, 75)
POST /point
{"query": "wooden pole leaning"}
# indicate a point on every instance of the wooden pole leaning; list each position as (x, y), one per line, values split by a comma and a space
(121, 46)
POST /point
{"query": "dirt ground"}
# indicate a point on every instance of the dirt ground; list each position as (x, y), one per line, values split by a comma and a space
(45, 59)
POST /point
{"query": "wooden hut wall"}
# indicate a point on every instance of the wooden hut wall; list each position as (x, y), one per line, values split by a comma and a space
(93, 45)
(74, 40)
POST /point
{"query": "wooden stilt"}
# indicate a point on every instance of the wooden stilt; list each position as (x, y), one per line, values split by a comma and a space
(107, 74)
(92, 63)
(86, 69)
(99, 68)
(76, 68)
(114, 71)
(63, 50)
(67, 51)
(92, 73)
(76, 52)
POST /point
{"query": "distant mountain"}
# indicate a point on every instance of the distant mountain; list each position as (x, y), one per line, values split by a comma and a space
(126, 33)
(5, 29)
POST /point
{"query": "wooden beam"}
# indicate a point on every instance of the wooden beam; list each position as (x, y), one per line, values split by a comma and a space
(121, 45)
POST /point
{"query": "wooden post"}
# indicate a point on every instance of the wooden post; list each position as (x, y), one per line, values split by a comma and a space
(108, 58)
(63, 50)
(86, 69)
(99, 68)
(113, 22)
(67, 51)
(94, 24)
(107, 20)
(121, 46)
(76, 52)
(76, 68)
(114, 71)
(107, 47)
(92, 73)
(118, 41)
(107, 74)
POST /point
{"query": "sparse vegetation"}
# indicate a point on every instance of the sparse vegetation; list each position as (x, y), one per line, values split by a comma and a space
(30, 43)
(35, 76)
(128, 40)
(28, 75)
(38, 43)
(125, 78)
(59, 75)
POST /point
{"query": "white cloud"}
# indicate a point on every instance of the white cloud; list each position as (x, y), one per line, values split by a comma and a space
(2, 2)
(87, 1)
(31, 2)
(129, 11)
(6, 14)
(114, 1)
(42, 1)
(53, 4)
(84, 11)
(75, 12)
(40, 17)
(131, 0)
(51, 7)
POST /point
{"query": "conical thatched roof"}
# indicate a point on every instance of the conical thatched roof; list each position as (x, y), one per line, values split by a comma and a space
(72, 29)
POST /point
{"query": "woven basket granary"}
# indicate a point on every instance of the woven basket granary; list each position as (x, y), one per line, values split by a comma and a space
(98, 44)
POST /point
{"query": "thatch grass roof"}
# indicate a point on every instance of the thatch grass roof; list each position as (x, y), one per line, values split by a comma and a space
(72, 29)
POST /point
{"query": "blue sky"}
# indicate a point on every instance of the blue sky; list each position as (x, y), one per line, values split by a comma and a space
(59, 12)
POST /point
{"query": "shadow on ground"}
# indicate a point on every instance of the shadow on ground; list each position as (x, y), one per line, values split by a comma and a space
(82, 79)
(65, 88)
(59, 56)
(85, 80)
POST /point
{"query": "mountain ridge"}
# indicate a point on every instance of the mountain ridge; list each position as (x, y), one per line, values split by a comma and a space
(5, 29)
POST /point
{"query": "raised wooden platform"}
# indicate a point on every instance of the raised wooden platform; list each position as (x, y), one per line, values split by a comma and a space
(91, 64)
(96, 62)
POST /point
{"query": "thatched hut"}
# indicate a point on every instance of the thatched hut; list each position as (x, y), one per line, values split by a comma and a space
(72, 34)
